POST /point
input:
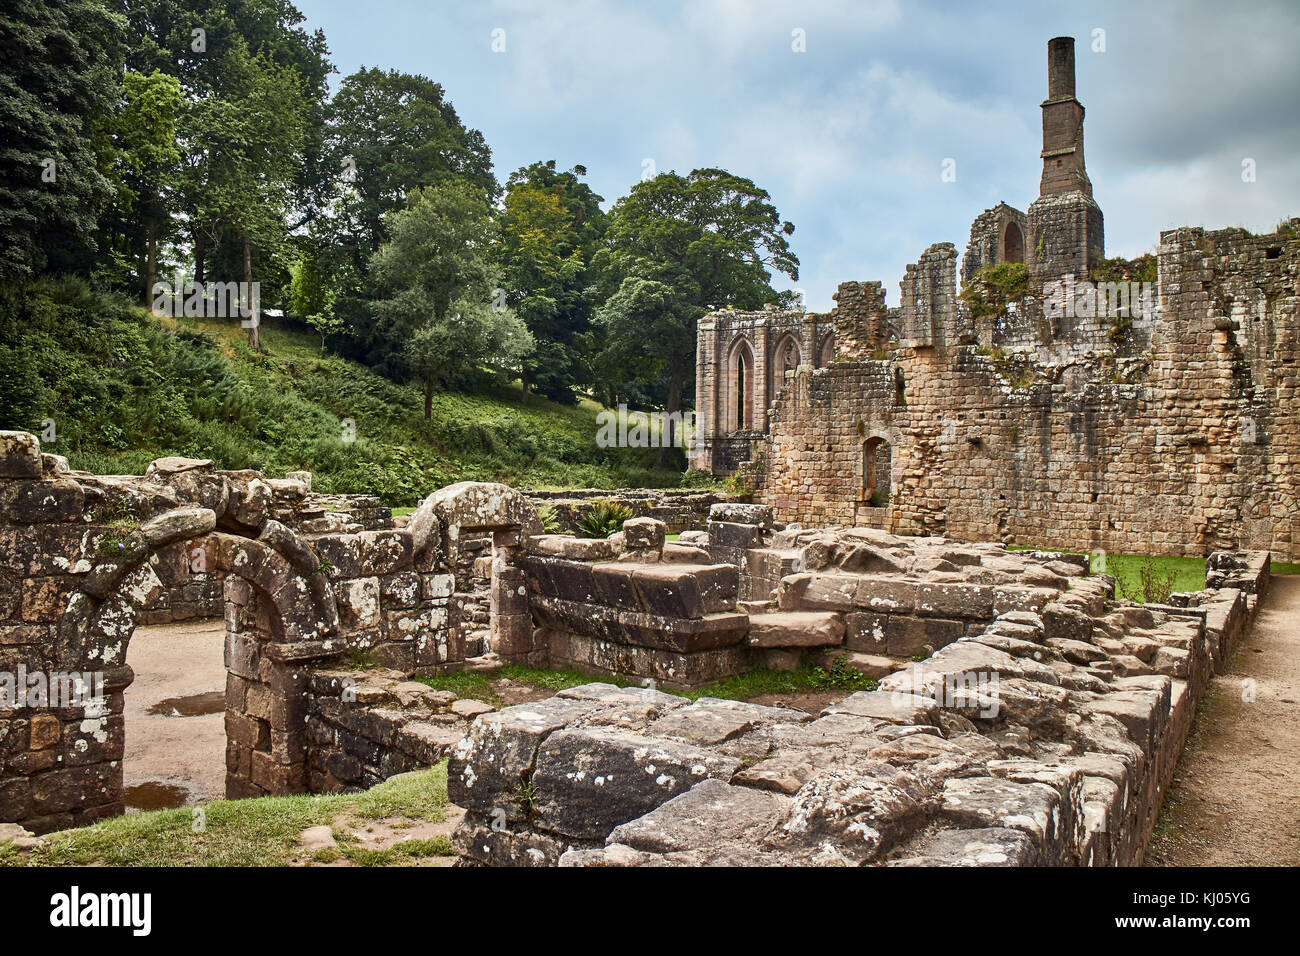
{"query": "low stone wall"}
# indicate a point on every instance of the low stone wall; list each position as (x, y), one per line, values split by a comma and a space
(364, 726)
(680, 509)
(1048, 738)
(743, 595)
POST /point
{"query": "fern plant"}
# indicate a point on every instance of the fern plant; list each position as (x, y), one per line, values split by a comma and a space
(602, 519)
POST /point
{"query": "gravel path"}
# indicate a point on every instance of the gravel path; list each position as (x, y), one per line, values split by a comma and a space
(1235, 800)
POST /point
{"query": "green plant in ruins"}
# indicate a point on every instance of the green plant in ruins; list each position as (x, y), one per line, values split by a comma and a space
(989, 293)
(602, 519)
(550, 521)
(1155, 584)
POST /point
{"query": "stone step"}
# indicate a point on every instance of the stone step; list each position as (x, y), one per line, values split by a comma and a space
(796, 629)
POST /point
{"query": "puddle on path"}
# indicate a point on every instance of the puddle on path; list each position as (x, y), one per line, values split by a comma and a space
(195, 705)
(152, 795)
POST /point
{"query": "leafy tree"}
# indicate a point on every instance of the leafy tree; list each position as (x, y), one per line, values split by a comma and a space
(438, 274)
(551, 226)
(148, 163)
(390, 133)
(60, 77)
(255, 88)
(312, 294)
(678, 247)
(242, 169)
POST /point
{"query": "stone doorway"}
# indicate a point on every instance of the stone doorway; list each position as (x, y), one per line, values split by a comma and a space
(174, 715)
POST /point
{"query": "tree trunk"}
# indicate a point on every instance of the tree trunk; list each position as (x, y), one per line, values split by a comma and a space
(254, 338)
(675, 377)
(200, 250)
(151, 261)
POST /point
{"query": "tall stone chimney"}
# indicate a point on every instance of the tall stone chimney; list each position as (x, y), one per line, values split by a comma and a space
(1066, 229)
(1063, 169)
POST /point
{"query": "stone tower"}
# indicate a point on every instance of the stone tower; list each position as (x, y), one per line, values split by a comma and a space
(1065, 223)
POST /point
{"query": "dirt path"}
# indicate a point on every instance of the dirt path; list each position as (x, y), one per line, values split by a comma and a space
(175, 716)
(1235, 800)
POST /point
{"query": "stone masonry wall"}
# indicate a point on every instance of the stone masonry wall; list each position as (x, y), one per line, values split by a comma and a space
(1046, 739)
(305, 580)
(1183, 445)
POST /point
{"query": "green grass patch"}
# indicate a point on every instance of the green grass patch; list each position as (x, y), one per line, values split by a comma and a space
(840, 676)
(1185, 574)
(257, 832)
(810, 677)
(478, 686)
(1283, 567)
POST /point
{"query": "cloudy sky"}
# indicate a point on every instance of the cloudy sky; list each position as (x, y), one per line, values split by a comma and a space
(850, 135)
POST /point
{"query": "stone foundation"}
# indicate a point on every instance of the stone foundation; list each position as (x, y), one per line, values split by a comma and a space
(1042, 727)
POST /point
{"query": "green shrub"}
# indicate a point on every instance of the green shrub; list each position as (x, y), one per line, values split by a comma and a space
(698, 478)
(602, 519)
(989, 293)
(550, 523)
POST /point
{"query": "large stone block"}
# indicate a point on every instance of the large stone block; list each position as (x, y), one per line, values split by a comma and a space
(20, 455)
(587, 782)
(796, 629)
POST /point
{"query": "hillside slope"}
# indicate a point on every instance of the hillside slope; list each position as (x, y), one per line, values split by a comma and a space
(123, 387)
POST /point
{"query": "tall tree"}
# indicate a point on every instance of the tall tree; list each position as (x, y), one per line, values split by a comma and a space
(439, 279)
(208, 45)
(148, 164)
(390, 133)
(60, 76)
(678, 247)
(244, 144)
(551, 226)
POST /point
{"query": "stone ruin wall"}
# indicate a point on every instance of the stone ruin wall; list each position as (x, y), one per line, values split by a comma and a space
(679, 509)
(1174, 434)
(1061, 761)
(308, 581)
(1041, 725)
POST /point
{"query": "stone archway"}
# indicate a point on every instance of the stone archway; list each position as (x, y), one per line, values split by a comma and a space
(787, 357)
(877, 471)
(1013, 244)
(827, 353)
(279, 613)
(304, 585)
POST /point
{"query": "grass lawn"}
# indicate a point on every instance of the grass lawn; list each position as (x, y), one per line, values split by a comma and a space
(257, 832)
(810, 677)
(1179, 574)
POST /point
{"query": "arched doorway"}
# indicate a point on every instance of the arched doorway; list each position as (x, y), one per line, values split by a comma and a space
(877, 471)
(1013, 244)
(493, 521)
(740, 387)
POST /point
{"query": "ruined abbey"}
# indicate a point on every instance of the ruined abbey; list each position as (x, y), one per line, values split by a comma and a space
(1090, 411)
(1017, 710)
